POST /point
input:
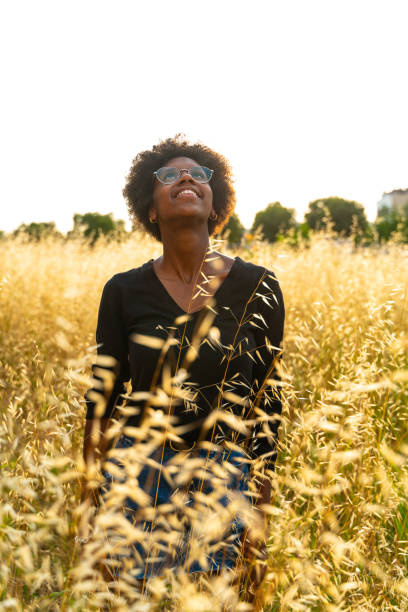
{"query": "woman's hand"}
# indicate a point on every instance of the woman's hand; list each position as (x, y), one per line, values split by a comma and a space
(96, 444)
(254, 552)
(88, 493)
(253, 544)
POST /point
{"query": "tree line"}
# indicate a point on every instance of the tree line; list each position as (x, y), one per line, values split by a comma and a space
(343, 218)
(89, 226)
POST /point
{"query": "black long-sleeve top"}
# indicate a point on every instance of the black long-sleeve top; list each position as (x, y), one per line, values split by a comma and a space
(238, 359)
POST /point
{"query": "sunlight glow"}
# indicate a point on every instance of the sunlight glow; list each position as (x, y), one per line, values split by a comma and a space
(307, 100)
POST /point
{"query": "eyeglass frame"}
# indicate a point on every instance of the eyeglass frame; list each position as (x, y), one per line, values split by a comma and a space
(187, 171)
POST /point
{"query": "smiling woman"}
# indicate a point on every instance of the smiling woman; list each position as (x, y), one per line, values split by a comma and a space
(142, 179)
(198, 334)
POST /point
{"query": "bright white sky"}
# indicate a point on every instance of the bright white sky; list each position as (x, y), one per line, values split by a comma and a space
(306, 98)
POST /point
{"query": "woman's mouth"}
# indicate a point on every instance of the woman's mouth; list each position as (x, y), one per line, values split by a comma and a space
(186, 193)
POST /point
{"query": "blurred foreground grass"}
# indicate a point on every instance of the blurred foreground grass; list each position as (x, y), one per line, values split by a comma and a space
(339, 515)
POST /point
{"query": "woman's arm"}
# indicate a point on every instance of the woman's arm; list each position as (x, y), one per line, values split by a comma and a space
(96, 444)
(270, 316)
(111, 369)
(268, 337)
(264, 491)
(110, 372)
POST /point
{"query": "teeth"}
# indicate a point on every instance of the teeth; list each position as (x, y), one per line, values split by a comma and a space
(186, 191)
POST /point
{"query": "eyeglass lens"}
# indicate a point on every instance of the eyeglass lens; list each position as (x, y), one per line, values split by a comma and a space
(201, 174)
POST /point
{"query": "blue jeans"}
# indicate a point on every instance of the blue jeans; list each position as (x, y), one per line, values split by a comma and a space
(173, 538)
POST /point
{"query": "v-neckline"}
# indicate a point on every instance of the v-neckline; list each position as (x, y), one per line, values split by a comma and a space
(173, 301)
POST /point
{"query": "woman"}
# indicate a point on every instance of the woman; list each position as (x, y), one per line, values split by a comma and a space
(198, 334)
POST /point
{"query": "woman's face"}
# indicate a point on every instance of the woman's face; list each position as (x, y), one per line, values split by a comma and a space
(184, 198)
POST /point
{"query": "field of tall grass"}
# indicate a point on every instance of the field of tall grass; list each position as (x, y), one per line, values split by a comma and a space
(338, 519)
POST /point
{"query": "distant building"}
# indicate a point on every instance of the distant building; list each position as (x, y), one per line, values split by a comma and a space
(393, 199)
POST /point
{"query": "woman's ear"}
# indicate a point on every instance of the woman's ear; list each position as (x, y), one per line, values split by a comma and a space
(152, 215)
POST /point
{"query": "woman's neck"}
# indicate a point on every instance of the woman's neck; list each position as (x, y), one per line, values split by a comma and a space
(183, 255)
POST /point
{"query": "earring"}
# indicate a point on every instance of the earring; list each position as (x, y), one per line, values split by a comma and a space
(152, 220)
(213, 216)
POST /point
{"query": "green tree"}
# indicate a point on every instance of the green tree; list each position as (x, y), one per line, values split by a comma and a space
(386, 223)
(93, 225)
(233, 230)
(297, 236)
(392, 223)
(403, 227)
(344, 216)
(275, 220)
(37, 231)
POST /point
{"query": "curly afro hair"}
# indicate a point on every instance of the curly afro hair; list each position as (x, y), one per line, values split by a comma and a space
(138, 190)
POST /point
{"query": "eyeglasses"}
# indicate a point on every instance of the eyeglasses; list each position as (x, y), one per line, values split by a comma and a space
(168, 175)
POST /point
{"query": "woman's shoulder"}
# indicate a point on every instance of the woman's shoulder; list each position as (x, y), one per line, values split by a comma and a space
(264, 288)
(254, 271)
(261, 281)
(129, 277)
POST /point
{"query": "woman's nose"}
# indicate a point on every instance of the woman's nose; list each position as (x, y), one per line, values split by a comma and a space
(185, 176)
